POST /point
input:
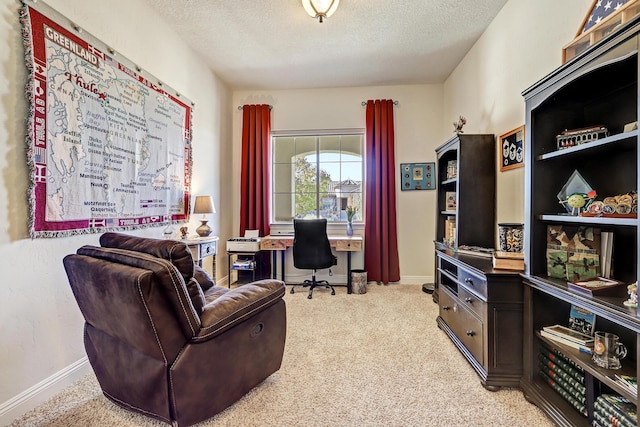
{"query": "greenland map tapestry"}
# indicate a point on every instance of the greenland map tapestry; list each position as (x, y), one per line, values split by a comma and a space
(108, 149)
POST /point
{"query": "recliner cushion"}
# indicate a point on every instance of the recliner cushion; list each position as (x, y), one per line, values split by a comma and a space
(236, 305)
(203, 278)
(176, 252)
(196, 294)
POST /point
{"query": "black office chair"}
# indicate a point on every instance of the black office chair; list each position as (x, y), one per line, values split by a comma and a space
(312, 251)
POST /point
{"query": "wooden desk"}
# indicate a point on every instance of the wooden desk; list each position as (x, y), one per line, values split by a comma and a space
(276, 243)
(204, 247)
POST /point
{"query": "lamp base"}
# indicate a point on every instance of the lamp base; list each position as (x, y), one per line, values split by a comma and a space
(203, 230)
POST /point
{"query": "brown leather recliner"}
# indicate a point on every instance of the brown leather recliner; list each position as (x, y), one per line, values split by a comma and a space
(162, 338)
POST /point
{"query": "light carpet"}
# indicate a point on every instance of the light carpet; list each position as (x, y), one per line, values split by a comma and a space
(374, 359)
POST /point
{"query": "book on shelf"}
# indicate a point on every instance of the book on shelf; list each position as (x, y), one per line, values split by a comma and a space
(568, 343)
(598, 286)
(606, 253)
(559, 334)
(569, 334)
(627, 382)
(474, 250)
(576, 389)
(565, 394)
(450, 202)
(508, 260)
(619, 407)
(563, 368)
(559, 357)
(582, 320)
(573, 253)
(604, 418)
(452, 169)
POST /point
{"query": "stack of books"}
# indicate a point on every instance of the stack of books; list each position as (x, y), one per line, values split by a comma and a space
(611, 409)
(243, 264)
(627, 382)
(508, 260)
(563, 376)
(568, 337)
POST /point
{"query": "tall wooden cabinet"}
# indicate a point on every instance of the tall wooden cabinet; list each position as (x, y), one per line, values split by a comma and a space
(480, 309)
(600, 87)
(466, 191)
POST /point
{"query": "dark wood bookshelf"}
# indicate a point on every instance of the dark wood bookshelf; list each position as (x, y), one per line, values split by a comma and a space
(599, 87)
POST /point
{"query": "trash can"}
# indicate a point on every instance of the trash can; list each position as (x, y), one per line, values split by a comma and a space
(359, 281)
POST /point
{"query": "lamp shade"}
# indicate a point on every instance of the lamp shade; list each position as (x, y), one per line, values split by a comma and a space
(204, 205)
(320, 8)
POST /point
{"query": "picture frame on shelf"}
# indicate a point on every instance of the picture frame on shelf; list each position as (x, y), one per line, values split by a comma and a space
(418, 176)
(511, 148)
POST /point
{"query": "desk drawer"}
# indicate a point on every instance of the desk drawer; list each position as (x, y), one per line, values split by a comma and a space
(348, 245)
(207, 249)
(463, 323)
(475, 283)
(273, 244)
(472, 301)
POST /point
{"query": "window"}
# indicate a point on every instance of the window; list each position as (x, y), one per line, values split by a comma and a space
(317, 175)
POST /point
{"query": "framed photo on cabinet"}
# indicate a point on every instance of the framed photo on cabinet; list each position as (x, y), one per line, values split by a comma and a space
(511, 148)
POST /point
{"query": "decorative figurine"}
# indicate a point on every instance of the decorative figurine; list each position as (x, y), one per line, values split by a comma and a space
(457, 126)
(183, 232)
(577, 203)
(632, 290)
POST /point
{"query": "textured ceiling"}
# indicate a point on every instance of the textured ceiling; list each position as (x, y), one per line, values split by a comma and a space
(274, 44)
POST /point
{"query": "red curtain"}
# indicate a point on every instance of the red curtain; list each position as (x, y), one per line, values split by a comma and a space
(380, 235)
(254, 183)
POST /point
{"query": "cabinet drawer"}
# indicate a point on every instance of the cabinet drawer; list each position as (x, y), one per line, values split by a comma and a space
(273, 244)
(463, 323)
(475, 283)
(472, 302)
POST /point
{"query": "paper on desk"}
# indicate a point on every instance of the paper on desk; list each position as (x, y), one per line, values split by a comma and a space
(251, 233)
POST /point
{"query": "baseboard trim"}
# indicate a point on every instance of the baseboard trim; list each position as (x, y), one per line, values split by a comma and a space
(45, 389)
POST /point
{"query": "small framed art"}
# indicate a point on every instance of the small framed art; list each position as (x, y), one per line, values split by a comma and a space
(417, 176)
(511, 147)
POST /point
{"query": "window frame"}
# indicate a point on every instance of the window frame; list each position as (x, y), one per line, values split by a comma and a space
(314, 133)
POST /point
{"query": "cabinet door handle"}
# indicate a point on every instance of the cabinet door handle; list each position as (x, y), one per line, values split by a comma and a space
(468, 300)
(470, 333)
(469, 281)
(446, 308)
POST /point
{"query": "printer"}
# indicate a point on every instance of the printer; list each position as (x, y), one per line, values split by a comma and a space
(243, 244)
(249, 243)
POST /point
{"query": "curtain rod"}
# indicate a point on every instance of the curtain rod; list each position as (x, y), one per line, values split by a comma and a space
(240, 107)
(364, 103)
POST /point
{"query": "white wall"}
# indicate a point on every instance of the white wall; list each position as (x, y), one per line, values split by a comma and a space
(418, 124)
(40, 324)
(522, 45)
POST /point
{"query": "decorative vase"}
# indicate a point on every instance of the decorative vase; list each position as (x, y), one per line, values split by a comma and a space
(349, 229)
(511, 237)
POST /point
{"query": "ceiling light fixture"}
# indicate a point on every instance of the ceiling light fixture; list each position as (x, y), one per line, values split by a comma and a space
(320, 9)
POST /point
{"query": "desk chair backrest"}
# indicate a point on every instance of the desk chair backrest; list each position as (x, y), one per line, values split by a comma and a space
(311, 248)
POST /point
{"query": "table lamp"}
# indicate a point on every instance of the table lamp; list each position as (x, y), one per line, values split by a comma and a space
(204, 205)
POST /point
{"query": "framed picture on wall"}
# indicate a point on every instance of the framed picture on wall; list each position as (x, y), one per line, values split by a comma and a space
(511, 148)
(417, 176)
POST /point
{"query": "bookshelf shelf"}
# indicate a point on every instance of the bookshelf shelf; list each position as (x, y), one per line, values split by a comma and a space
(593, 220)
(602, 89)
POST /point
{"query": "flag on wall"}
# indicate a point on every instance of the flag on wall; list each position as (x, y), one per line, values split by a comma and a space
(600, 10)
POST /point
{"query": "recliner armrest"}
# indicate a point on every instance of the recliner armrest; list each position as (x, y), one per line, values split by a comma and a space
(236, 306)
